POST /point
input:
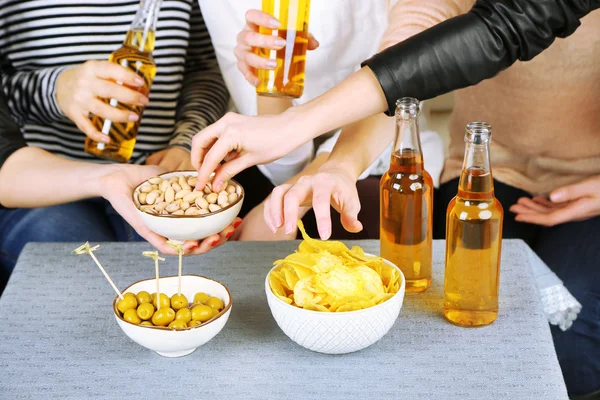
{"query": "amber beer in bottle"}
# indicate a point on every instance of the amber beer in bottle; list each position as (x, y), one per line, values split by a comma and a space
(473, 237)
(407, 201)
(135, 54)
(287, 79)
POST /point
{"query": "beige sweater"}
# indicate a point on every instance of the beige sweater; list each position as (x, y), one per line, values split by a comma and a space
(545, 113)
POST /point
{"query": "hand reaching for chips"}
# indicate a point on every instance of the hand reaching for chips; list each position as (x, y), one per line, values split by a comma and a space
(327, 276)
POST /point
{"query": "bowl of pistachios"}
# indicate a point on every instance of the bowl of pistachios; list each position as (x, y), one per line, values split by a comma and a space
(170, 206)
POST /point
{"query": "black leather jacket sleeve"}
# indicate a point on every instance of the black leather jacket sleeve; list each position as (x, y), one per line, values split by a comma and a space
(469, 48)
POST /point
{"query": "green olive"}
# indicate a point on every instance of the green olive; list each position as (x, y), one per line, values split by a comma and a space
(128, 303)
(163, 317)
(131, 316)
(184, 315)
(165, 301)
(193, 323)
(143, 297)
(177, 324)
(128, 294)
(147, 323)
(145, 311)
(215, 303)
(215, 312)
(202, 313)
(178, 301)
(201, 298)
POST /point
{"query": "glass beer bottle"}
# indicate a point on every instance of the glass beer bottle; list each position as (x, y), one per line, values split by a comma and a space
(287, 79)
(406, 204)
(473, 237)
(135, 54)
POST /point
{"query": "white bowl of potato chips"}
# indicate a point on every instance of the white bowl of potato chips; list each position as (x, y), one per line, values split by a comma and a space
(334, 300)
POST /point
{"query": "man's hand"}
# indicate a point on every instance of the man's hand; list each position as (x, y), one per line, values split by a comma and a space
(172, 159)
(330, 187)
(576, 202)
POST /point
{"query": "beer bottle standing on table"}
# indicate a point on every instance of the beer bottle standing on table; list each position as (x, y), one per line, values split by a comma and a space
(287, 79)
(135, 54)
(473, 237)
(406, 205)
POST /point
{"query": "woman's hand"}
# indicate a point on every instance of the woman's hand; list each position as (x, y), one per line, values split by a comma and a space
(254, 228)
(117, 186)
(243, 141)
(171, 159)
(80, 90)
(250, 38)
(330, 187)
(576, 202)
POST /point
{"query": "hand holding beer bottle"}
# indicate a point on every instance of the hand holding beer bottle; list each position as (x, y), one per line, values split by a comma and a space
(261, 49)
(80, 90)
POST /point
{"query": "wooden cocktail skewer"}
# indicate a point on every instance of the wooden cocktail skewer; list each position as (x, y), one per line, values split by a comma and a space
(87, 249)
(178, 247)
(154, 255)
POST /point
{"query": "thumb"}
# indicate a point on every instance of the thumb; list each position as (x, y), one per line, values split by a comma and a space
(348, 205)
(313, 43)
(570, 192)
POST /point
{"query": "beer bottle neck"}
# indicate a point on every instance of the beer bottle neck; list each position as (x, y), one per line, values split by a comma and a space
(476, 176)
(407, 142)
(141, 34)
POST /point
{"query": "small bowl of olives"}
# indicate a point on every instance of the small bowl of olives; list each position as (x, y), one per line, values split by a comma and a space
(170, 206)
(177, 324)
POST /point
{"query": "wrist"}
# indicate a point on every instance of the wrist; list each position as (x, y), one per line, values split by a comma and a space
(98, 179)
(352, 169)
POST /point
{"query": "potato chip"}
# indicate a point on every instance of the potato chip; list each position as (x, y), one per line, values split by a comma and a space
(327, 276)
(302, 294)
(276, 286)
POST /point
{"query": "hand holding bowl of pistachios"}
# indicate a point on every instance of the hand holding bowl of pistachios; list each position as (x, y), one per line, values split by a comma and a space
(170, 206)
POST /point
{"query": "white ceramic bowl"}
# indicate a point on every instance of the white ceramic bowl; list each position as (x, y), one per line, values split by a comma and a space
(190, 227)
(177, 343)
(336, 332)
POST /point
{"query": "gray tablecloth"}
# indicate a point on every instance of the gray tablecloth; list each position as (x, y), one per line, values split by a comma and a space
(59, 340)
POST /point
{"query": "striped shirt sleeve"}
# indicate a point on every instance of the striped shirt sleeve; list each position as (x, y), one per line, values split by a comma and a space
(204, 97)
(31, 95)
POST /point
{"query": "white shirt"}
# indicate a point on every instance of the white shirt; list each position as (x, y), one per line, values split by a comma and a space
(348, 31)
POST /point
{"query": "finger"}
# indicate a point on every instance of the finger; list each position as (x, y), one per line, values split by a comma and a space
(274, 217)
(521, 209)
(571, 192)
(548, 203)
(190, 246)
(348, 205)
(575, 211)
(252, 38)
(256, 18)
(156, 158)
(321, 203)
(114, 114)
(201, 143)
(206, 245)
(267, 215)
(255, 61)
(109, 70)
(228, 170)
(169, 162)
(110, 90)
(312, 42)
(86, 126)
(291, 204)
(529, 203)
(248, 73)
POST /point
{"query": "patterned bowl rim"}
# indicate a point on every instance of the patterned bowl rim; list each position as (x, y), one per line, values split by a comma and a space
(400, 292)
